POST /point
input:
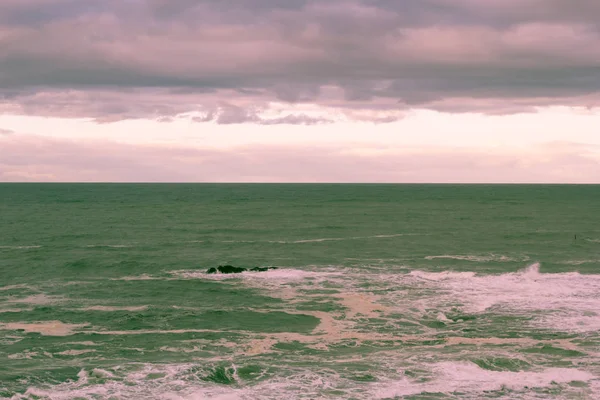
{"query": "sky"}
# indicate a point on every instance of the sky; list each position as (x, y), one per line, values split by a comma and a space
(440, 91)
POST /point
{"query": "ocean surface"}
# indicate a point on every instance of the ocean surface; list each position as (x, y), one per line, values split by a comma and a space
(382, 291)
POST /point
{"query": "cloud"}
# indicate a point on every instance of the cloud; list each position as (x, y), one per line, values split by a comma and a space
(6, 132)
(34, 158)
(83, 58)
(299, 119)
(230, 114)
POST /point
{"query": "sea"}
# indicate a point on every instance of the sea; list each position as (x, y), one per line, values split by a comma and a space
(380, 292)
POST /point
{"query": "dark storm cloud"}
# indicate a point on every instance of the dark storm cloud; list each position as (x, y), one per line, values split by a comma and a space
(83, 58)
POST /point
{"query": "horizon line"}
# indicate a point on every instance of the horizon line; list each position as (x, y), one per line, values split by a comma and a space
(298, 183)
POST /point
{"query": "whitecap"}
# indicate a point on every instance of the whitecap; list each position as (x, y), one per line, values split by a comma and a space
(440, 276)
(75, 352)
(335, 239)
(480, 258)
(20, 247)
(115, 308)
(473, 381)
(143, 277)
(580, 262)
(38, 299)
(14, 287)
(112, 246)
(559, 301)
(26, 355)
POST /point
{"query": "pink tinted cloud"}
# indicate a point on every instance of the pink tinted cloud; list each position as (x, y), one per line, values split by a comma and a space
(6, 132)
(33, 158)
(414, 53)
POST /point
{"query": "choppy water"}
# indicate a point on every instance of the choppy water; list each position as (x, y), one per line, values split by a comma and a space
(382, 292)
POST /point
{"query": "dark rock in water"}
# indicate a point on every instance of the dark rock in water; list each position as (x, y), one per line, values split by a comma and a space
(262, 269)
(230, 269)
(226, 269)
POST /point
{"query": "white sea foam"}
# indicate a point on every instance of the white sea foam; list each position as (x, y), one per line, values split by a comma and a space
(26, 355)
(182, 382)
(153, 331)
(38, 299)
(563, 301)
(361, 304)
(473, 381)
(48, 328)
(102, 373)
(580, 262)
(14, 310)
(171, 349)
(566, 302)
(15, 287)
(442, 276)
(84, 343)
(287, 274)
(175, 382)
(280, 274)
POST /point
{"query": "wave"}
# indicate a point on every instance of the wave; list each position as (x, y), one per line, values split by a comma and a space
(564, 302)
(580, 262)
(14, 310)
(227, 380)
(559, 301)
(112, 246)
(272, 274)
(440, 276)
(14, 287)
(20, 247)
(473, 381)
(317, 240)
(326, 239)
(38, 300)
(143, 277)
(75, 352)
(480, 258)
(114, 308)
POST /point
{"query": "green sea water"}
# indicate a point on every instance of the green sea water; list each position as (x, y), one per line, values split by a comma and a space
(381, 291)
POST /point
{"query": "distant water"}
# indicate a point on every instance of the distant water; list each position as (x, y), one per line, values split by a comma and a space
(382, 292)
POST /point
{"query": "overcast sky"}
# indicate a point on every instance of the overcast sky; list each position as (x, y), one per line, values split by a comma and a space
(300, 91)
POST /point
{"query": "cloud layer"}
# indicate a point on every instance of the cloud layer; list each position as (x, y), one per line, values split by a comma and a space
(34, 158)
(230, 59)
